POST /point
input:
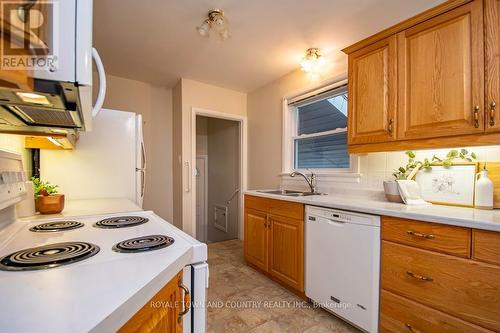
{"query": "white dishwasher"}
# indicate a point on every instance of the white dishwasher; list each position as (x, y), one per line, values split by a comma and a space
(343, 264)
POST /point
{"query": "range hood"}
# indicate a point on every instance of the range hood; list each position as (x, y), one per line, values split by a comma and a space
(53, 107)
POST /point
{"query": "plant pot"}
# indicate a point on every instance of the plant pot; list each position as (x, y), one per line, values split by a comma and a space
(50, 204)
(391, 190)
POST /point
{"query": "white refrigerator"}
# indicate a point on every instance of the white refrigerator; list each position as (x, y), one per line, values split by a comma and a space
(108, 162)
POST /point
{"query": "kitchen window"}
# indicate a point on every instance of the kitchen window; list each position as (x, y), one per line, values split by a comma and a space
(316, 132)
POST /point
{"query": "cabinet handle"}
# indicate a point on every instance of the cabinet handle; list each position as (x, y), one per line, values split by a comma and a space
(476, 116)
(418, 234)
(493, 107)
(391, 122)
(186, 302)
(411, 329)
(419, 277)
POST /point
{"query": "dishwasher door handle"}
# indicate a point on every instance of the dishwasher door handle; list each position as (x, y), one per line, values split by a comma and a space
(334, 222)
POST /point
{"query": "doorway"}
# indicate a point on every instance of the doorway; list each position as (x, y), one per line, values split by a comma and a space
(218, 179)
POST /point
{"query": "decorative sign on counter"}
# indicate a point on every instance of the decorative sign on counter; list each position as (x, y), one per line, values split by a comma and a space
(451, 185)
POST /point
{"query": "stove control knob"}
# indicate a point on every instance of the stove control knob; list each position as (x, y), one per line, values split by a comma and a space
(3, 178)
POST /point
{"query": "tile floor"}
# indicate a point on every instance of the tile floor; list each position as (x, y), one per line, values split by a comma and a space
(242, 300)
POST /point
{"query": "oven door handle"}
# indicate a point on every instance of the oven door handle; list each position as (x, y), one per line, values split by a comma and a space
(186, 302)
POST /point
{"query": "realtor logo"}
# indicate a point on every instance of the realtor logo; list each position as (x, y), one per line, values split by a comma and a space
(27, 29)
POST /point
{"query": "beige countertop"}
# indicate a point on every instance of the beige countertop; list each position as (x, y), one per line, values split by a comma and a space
(458, 216)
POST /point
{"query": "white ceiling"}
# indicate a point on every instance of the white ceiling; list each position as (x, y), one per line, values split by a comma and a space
(155, 40)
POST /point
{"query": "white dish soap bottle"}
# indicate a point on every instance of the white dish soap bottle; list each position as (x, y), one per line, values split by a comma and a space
(484, 190)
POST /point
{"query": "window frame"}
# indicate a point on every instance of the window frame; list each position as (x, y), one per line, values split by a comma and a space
(290, 119)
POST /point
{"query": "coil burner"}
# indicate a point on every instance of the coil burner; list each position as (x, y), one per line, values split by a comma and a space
(121, 222)
(57, 226)
(143, 244)
(48, 256)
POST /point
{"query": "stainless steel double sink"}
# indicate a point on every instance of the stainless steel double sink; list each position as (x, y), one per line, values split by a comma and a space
(289, 193)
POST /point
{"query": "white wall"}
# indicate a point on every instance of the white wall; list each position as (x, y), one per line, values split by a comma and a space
(190, 94)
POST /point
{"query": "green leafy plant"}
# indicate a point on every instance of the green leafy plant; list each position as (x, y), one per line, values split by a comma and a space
(404, 171)
(43, 188)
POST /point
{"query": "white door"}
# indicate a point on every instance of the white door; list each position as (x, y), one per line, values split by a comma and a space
(201, 197)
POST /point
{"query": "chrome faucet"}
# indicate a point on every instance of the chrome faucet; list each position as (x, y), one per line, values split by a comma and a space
(311, 181)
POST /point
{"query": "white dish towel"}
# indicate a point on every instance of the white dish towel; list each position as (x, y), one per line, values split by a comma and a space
(410, 193)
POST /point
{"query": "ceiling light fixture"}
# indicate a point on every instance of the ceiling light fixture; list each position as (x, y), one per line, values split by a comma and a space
(313, 61)
(217, 22)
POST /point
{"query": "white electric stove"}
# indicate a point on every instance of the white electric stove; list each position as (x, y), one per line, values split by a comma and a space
(89, 273)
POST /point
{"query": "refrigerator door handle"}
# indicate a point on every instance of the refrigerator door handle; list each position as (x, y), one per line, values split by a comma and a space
(187, 189)
(143, 157)
(143, 182)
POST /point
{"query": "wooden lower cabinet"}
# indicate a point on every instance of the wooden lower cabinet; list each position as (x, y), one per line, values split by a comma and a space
(162, 313)
(274, 240)
(399, 314)
(286, 250)
(256, 238)
(486, 246)
(434, 286)
(429, 236)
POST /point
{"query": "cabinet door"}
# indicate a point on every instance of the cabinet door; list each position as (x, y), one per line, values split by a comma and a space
(15, 78)
(372, 93)
(492, 64)
(161, 313)
(286, 251)
(256, 238)
(441, 71)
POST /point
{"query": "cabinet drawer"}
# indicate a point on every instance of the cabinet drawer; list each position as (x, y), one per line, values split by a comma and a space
(399, 314)
(486, 246)
(463, 288)
(276, 207)
(430, 236)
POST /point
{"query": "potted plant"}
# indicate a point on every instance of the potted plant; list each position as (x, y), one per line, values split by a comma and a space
(413, 166)
(47, 199)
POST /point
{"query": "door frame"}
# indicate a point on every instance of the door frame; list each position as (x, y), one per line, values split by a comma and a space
(205, 187)
(242, 120)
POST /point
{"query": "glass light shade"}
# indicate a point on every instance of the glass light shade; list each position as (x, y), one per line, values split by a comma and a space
(313, 62)
(204, 29)
(224, 34)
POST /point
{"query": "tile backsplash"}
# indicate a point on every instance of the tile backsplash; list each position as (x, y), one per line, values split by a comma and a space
(377, 167)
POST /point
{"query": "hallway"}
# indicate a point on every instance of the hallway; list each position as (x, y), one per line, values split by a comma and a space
(242, 300)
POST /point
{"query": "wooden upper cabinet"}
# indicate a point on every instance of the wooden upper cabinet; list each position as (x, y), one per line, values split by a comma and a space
(372, 93)
(492, 64)
(441, 75)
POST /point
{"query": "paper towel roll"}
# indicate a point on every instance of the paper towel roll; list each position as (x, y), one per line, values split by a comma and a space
(27, 207)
